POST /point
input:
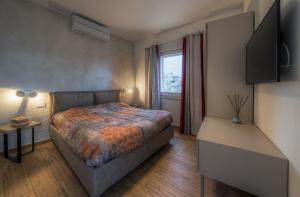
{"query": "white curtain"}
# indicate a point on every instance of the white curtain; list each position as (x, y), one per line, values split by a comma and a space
(192, 109)
(152, 77)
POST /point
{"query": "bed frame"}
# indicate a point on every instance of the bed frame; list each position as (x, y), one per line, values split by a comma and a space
(97, 180)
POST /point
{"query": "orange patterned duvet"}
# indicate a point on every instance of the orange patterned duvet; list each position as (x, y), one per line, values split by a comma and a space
(101, 133)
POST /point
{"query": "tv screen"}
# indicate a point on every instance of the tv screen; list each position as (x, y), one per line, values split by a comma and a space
(263, 49)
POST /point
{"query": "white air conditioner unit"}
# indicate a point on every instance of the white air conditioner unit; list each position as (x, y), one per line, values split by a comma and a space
(90, 28)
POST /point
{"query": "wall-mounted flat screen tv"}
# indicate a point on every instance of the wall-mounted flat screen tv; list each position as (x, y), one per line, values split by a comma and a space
(263, 49)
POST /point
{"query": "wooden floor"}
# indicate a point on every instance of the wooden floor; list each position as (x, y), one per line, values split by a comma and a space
(169, 172)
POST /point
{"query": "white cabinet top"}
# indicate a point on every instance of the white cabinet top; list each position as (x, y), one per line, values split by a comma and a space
(242, 136)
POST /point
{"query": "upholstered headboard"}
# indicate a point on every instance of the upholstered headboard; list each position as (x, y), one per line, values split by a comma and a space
(61, 101)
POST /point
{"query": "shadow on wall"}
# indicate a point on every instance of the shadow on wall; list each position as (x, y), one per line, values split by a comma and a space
(254, 5)
(23, 106)
(136, 97)
(290, 25)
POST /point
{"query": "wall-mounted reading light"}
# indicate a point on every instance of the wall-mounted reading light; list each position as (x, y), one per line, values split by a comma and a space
(126, 91)
(129, 91)
(21, 93)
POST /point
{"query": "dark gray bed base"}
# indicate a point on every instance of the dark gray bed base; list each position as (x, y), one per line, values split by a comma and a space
(97, 180)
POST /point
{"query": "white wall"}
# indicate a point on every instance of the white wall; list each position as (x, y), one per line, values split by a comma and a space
(277, 105)
(226, 65)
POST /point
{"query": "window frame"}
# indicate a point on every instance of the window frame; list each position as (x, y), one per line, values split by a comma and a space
(168, 95)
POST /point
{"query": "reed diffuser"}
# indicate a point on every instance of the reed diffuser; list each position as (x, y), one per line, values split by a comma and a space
(237, 103)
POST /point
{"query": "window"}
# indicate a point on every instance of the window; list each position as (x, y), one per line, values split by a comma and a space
(171, 72)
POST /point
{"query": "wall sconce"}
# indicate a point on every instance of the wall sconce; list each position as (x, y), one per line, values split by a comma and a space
(129, 91)
(126, 91)
(21, 93)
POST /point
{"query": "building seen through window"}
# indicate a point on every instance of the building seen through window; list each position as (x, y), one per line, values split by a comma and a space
(171, 73)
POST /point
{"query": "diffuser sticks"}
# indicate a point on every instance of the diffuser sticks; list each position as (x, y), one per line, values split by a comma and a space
(237, 102)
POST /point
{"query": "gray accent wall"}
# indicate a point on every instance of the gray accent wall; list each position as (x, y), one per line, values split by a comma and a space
(226, 65)
(38, 52)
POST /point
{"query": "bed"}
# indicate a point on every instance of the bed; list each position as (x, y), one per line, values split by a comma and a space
(103, 139)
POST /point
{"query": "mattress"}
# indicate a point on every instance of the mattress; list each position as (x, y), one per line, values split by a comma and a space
(101, 133)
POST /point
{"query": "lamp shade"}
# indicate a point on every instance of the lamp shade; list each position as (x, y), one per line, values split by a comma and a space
(20, 93)
(33, 94)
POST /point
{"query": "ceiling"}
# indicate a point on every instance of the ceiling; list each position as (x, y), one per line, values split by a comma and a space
(135, 19)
